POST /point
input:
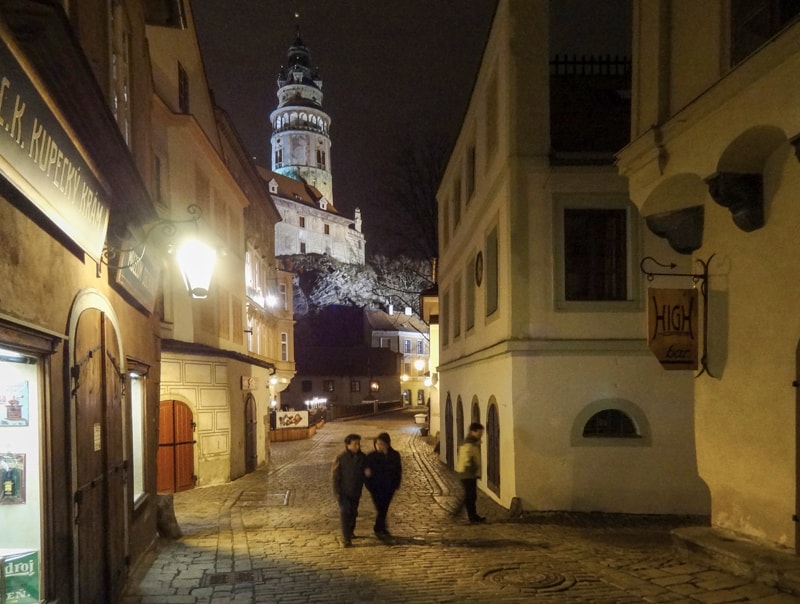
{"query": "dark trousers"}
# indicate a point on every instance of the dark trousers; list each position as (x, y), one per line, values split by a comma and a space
(381, 501)
(470, 496)
(348, 512)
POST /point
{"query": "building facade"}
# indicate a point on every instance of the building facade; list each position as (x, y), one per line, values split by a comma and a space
(79, 335)
(301, 152)
(543, 334)
(712, 166)
(407, 335)
(224, 355)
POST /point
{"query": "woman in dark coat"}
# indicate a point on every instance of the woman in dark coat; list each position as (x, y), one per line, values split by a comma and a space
(383, 475)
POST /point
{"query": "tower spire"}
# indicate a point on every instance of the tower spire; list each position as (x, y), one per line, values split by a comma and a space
(300, 139)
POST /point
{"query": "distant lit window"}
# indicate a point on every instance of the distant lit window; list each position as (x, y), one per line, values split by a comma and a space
(120, 69)
(420, 347)
(328, 386)
(407, 346)
(284, 346)
(355, 386)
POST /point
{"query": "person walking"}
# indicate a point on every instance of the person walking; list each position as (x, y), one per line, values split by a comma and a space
(468, 466)
(383, 475)
(347, 476)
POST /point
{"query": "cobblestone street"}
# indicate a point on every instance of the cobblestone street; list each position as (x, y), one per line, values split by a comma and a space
(273, 536)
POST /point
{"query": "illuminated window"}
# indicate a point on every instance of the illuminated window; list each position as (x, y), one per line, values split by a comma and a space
(120, 69)
(355, 386)
(284, 346)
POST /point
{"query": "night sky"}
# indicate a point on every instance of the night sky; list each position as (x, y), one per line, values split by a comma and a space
(393, 72)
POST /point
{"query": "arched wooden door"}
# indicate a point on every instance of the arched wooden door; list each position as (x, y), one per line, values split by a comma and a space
(250, 434)
(448, 432)
(100, 495)
(175, 447)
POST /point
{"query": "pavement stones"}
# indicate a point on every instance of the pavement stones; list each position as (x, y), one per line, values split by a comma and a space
(273, 536)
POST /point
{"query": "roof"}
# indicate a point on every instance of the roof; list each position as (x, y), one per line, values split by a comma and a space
(379, 320)
(295, 190)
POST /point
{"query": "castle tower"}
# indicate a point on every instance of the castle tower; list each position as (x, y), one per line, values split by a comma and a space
(301, 144)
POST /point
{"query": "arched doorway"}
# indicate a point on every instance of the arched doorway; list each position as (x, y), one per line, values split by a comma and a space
(175, 447)
(448, 432)
(100, 496)
(250, 434)
(493, 448)
(459, 422)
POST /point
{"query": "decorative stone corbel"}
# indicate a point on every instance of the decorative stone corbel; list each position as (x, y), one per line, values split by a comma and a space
(683, 229)
(795, 142)
(742, 194)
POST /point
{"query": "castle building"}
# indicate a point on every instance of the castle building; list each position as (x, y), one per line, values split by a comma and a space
(300, 182)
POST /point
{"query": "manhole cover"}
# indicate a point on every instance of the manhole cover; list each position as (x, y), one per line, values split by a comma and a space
(231, 578)
(280, 498)
(529, 579)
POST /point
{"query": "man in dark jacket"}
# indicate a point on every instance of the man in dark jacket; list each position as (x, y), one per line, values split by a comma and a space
(384, 473)
(347, 476)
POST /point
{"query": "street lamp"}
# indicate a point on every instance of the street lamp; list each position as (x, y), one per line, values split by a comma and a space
(195, 259)
(196, 262)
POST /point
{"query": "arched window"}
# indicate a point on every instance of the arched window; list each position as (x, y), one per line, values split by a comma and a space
(493, 448)
(448, 431)
(611, 422)
(459, 422)
(475, 412)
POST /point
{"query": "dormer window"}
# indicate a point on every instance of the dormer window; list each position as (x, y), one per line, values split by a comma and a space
(273, 186)
(323, 203)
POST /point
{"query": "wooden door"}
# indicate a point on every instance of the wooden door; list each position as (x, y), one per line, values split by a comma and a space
(175, 447)
(250, 434)
(99, 496)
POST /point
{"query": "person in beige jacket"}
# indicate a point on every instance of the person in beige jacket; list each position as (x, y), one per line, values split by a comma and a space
(468, 466)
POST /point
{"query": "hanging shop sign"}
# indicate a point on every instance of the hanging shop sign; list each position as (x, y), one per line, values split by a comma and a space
(40, 159)
(672, 327)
